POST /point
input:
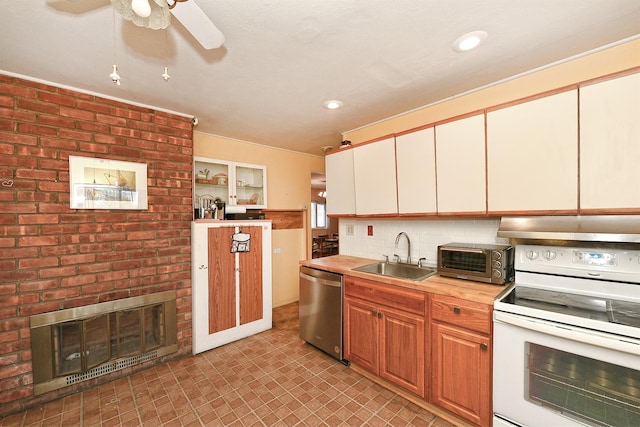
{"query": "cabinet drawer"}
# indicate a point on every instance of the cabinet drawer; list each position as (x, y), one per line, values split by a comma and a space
(462, 313)
(391, 296)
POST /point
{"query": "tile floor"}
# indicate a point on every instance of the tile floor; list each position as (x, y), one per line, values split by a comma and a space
(270, 379)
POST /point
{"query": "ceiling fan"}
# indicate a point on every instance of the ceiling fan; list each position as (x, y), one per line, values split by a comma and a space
(156, 14)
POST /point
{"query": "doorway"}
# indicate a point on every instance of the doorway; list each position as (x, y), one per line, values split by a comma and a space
(324, 232)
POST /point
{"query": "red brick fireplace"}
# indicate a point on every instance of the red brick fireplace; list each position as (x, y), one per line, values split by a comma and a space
(55, 258)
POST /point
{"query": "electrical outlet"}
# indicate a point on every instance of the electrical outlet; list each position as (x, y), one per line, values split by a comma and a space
(277, 250)
(350, 231)
(369, 230)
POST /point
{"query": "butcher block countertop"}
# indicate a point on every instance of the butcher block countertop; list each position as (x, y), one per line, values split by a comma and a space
(436, 284)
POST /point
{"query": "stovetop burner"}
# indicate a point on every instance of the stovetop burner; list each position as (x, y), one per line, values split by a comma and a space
(588, 307)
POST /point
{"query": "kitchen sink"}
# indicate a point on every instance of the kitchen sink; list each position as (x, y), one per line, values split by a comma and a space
(399, 271)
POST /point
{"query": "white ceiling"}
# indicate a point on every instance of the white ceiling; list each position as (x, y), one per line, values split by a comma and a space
(283, 58)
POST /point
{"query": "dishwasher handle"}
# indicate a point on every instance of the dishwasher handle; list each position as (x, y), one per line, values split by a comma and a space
(319, 281)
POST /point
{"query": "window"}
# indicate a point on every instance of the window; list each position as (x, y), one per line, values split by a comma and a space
(318, 215)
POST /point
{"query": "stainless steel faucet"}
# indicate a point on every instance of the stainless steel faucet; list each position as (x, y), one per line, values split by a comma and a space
(402, 233)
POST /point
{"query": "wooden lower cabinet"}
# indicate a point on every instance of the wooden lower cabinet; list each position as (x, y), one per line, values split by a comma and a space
(231, 290)
(461, 358)
(434, 346)
(384, 332)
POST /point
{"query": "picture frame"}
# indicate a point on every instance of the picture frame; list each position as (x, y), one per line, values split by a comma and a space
(96, 183)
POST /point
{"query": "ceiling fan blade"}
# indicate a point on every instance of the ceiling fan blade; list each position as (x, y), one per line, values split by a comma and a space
(198, 24)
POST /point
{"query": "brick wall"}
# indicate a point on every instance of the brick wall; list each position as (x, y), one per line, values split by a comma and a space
(53, 257)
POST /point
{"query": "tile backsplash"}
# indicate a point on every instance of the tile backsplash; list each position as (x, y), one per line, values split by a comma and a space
(425, 236)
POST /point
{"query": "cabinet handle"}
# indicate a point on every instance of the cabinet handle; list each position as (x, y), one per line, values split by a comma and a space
(484, 347)
(456, 310)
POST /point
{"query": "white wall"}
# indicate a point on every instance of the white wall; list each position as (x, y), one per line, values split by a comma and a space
(425, 236)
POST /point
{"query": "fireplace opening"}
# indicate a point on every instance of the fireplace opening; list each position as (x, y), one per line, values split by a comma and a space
(73, 345)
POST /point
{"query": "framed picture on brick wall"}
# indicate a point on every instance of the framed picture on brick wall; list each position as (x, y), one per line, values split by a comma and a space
(96, 183)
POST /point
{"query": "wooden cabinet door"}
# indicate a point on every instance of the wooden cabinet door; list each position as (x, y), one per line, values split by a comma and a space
(402, 352)
(532, 156)
(361, 334)
(461, 373)
(250, 265)
(461, 166)
(374, 169)
(341, 196)
(416, 166)
(222, 280)
(610, 145)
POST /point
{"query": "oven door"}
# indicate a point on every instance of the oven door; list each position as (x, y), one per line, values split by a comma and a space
(548, 374)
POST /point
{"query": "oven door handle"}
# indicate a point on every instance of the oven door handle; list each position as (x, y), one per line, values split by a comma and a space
(623, 344)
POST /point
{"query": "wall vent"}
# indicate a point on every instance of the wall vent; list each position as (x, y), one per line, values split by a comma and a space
(110, 367)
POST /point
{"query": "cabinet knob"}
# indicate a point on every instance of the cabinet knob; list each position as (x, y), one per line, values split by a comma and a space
(379, 315)
(203, 267)
(373, 313)
(484, 347)
(456, 310)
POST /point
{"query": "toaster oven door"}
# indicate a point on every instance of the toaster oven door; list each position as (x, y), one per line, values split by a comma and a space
(465, 263)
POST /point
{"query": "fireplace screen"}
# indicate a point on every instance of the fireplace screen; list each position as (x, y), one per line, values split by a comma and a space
(77, 344)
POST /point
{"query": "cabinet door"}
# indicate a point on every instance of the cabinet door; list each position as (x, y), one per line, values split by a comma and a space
(212, 179)
(374, 167)
(222, 280)
(341, 198)
(249, 186)
(361, 334)
(532, 156)
(461, 166)
(402, 357)
(250, 264)
(610, 144)
(461, 374)
(416, 166)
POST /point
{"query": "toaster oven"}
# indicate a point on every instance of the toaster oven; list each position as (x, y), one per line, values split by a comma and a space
(482, 263)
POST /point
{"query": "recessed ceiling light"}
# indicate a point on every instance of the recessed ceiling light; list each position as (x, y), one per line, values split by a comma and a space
(333, 104)
(469, 41)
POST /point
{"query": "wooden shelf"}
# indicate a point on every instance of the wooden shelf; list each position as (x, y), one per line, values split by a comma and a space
(282, 219)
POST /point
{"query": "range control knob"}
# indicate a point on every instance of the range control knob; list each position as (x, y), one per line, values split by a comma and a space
(532, 255)
(550, 255)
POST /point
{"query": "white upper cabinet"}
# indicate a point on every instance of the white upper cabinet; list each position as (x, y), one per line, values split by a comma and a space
(610, 144)
(532, 155)
(461, 166)
(233, 183)
(341, 199)
(416, 170)
(374, 168)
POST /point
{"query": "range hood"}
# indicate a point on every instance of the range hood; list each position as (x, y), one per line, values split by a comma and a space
(597, 228)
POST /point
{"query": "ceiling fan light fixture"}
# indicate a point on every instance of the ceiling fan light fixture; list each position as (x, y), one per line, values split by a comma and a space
(159, 16)
(469, 41)
(142, 8)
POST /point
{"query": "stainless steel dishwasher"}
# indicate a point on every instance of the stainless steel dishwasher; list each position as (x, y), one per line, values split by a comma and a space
(320, 309)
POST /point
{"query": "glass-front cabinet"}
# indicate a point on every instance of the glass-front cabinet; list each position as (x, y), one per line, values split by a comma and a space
(232, 183)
